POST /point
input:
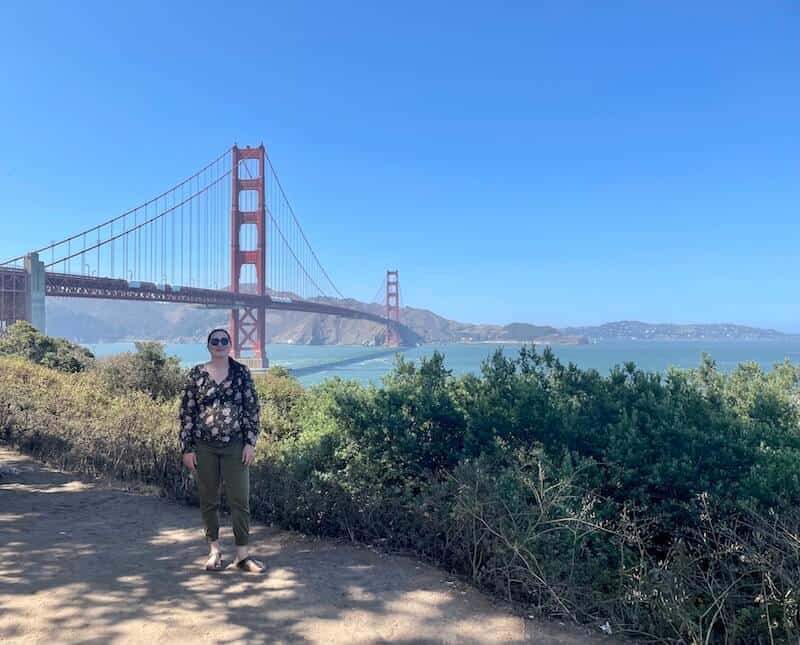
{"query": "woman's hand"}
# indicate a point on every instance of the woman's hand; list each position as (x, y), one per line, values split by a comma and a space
(248, 454)
(190, 460)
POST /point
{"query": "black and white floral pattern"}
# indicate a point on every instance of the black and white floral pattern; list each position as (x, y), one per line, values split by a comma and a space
(223, 412)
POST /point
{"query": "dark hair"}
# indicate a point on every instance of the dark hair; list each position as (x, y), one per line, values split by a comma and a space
(214, 331)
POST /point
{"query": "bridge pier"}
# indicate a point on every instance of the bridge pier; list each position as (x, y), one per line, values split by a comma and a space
(35, 291)
(22, 293)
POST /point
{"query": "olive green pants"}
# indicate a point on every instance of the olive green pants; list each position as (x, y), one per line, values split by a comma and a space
(213, 461)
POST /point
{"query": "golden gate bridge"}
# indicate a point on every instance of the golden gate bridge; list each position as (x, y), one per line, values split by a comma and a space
(225, 237)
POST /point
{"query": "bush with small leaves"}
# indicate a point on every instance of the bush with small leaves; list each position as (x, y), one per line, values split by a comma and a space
(24, 340)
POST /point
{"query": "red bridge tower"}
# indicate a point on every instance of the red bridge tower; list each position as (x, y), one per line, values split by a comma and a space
(248, 325)
(392, 309)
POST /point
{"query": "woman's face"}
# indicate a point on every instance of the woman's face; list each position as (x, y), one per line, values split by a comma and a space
(219, 345)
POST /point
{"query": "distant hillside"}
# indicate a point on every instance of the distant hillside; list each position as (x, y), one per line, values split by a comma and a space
(635, 330)
(91, 321)
(524, 331)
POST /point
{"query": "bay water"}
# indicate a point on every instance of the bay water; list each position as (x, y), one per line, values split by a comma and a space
(371, 364)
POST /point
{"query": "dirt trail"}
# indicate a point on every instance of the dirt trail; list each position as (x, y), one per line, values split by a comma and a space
(86, 561)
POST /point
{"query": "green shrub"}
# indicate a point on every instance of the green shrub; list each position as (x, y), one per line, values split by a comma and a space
(280, 395)
(666, 504)
(24, 340)
(147, 370)
(73, 422)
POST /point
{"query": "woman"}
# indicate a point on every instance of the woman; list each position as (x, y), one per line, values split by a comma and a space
(219, 427)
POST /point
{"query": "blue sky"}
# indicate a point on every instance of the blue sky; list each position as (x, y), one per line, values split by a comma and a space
(551, 162)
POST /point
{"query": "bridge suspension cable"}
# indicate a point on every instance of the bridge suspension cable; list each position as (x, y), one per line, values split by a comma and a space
(152, 252)
(165, 240)
(288, 245)
(127, 213)
(182, 237)
(308, 248)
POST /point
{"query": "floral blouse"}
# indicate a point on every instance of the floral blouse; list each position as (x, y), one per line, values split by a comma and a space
(219, 412)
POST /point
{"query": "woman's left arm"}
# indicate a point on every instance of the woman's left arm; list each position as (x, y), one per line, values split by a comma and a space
(250, 409)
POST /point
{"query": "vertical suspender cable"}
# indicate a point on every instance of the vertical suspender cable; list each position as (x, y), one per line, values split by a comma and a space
(181, 236)
(191, 239)
(172, 241)
(164, 245)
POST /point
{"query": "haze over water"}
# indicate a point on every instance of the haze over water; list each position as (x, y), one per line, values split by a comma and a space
(462, 358)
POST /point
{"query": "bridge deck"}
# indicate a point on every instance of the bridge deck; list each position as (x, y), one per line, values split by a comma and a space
(81, 286)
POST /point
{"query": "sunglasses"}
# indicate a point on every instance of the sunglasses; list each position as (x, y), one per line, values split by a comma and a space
(219, 341)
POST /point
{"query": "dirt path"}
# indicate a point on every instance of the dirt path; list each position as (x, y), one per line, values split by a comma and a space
(85, 561)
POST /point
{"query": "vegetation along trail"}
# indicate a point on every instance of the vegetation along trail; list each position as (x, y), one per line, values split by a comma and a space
(662, 507)
(87, 561)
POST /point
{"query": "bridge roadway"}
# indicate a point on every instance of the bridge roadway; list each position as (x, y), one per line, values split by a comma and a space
(67, 285)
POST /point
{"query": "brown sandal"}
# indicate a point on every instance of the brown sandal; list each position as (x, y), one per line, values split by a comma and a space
(250, 565)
